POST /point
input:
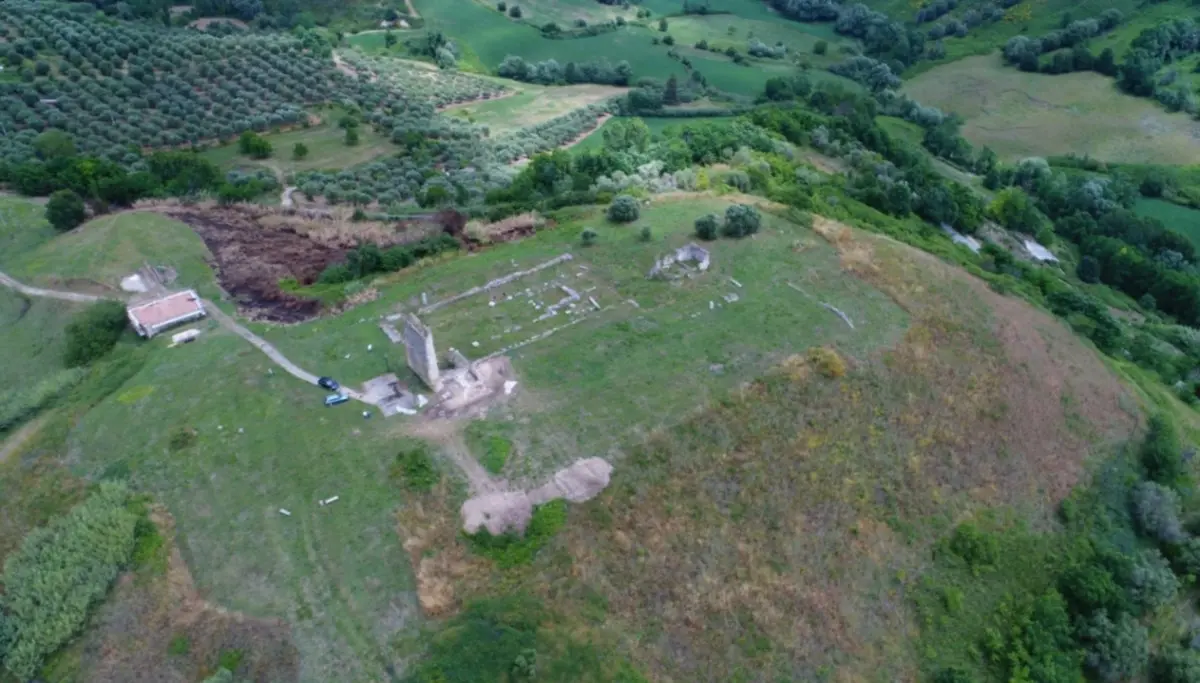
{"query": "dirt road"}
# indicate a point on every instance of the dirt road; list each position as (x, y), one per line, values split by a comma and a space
(272, 352)
(216, 313)
(46, 293)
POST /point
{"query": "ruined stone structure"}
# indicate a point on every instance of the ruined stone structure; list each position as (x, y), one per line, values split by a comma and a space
(690, 255)
(420, 352)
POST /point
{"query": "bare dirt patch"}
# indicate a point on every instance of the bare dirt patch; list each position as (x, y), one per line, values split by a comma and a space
(157, 628)
(255, 248)
(205, 22)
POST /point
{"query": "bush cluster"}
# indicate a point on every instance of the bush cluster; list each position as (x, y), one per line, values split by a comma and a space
(59, 574)
(368, 259)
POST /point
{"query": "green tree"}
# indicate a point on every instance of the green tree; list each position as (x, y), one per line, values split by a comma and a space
(254, 145)
(741, 220)
(821, 47)
(514, 12)
(671, 92)
(65, 210)
(1088, 269)
(1116, 649)
(299, 151)
(588, 237)
(623, 209)
(1176, 665)
(662, 24)
(389, 39)
(1013, 209)
(54, 144)
(94, 331)
(352, 137)
(1161, 452)
(707, 226)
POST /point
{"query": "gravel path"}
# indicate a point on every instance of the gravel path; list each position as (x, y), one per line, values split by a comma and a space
(217, 314)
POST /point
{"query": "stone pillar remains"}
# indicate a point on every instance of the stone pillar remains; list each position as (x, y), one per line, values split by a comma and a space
(420, 352)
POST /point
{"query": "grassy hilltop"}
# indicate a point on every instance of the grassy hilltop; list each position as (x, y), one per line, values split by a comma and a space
(881, 437)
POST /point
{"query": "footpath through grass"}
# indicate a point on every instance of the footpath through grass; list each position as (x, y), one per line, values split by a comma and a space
(96, 255)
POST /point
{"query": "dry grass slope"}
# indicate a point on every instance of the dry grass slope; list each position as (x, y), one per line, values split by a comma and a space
(1020, 115)
(777, 533)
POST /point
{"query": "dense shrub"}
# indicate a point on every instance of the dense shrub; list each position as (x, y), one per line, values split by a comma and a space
(368, 259)
(65, 210)
(977, 548)
(511, 549)
(1152, 585)
(1156, 511)
(741, 220)
(1088, 270)
(60, 572)
(1116, 649)
(94, 331)
(623, 209)
(707, 226)
(1161, 453)
(1176, 665)
(415, 469)
(254, 145)
(588, 237)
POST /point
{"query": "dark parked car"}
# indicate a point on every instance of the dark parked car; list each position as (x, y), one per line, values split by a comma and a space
(328, 383)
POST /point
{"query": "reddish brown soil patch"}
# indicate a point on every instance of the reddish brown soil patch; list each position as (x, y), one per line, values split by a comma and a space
(251, 261)
(131, 640)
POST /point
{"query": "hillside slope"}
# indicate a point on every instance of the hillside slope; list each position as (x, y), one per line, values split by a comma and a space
(778, 534)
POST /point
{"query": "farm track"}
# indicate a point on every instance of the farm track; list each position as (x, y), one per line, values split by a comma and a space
(220, 316)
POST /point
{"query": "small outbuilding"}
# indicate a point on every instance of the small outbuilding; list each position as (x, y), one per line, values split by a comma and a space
(152, 317)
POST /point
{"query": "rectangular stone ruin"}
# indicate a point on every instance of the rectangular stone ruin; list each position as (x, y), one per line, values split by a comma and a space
(684, 258)
(420, 352)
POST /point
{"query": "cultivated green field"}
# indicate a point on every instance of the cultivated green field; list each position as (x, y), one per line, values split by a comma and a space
(626, 370)
(1181, 219)
(531, 105)
(725, 30)
(326, 148)
(1020, 115)
(95, 256)
(487, 37)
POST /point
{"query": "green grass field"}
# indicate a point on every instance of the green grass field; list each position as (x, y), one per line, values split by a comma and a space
(488, 37)
(263, 442)
(326, 148)
(626, 370)
(1020, 115)
(532, 104)
(1181, 219)
(23, 227)
(31, 347)
(96, 255)
(725, 30)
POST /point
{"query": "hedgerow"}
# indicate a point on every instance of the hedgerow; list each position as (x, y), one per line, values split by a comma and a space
(59, 574)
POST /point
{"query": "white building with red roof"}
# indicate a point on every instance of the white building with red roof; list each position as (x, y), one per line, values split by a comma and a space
(153, 317)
